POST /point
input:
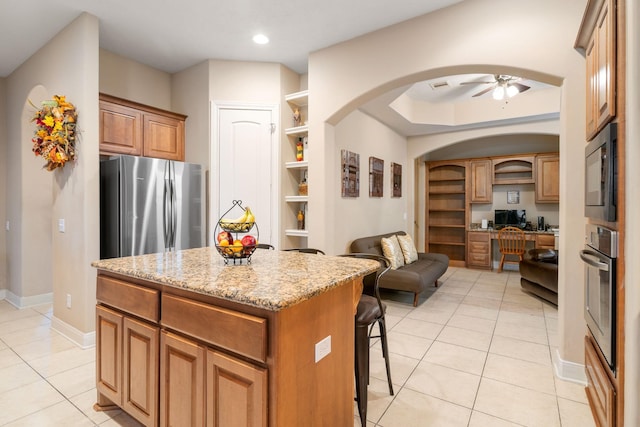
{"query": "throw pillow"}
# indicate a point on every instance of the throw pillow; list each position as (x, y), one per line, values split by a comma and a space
(408, 248)
(391, 250)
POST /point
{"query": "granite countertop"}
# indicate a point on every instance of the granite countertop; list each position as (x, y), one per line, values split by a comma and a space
(274, 280)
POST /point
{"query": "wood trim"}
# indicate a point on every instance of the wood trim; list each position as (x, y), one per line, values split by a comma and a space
(588, 24)
(138, 106)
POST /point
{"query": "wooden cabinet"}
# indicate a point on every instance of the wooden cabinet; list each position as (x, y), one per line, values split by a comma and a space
(190, 359)
(514, 170)
(236, 392)
(545, 241)
(548, 178)
(481, 181)
(597, 36)
(182, 378)
(127, 127)
(127, 364)
(600, 390)
(447, 209)
(479, 249)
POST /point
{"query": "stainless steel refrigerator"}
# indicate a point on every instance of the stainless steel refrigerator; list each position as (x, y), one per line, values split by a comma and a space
(148, 206)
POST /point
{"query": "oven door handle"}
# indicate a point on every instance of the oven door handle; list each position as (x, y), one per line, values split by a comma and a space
(593, 260)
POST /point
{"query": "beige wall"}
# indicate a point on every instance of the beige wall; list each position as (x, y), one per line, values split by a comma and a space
(364, 215)
(3, 188)
(128, 79)
(458, 40)
(42, 260)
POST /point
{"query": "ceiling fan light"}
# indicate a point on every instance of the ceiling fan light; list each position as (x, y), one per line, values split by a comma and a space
(498, 93)
(512, 91)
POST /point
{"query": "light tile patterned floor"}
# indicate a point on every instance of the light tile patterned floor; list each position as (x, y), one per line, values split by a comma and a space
(476, 352)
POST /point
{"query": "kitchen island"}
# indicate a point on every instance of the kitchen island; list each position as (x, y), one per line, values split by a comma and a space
(183, 339)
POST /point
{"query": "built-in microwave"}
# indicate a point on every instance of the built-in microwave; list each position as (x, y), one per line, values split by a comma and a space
(601, 175)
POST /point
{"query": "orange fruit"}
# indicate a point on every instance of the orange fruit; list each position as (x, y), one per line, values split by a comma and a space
(237, 246)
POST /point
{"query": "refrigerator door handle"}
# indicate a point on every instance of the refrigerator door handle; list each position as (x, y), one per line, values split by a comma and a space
(174, 214)
(166, 224)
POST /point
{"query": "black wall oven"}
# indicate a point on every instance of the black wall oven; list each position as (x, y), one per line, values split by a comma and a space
(599, 257)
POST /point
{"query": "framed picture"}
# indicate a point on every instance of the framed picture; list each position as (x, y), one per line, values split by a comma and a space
(376, 177)
(350, 174)
(513, 197)
(396, 180)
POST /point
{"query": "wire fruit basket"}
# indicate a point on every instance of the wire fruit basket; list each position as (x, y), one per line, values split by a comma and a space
(236, 239)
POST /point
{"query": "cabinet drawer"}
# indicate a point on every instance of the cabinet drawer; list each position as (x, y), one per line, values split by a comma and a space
(134, 299)
(600, 391)
(479, 236)
(238, 332)
(545, 241)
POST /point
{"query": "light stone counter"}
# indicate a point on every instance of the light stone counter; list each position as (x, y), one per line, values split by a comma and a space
(274, 280)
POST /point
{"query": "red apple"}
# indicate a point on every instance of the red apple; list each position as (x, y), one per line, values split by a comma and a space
(225, 235)
(248, 240)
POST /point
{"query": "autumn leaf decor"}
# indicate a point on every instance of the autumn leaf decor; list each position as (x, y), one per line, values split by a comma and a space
(55, 135)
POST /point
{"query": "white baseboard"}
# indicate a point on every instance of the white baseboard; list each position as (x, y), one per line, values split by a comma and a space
(26, 302)
(568, 371)
(83, 340)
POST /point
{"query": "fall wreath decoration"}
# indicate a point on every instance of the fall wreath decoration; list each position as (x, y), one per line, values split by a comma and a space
(55, 135)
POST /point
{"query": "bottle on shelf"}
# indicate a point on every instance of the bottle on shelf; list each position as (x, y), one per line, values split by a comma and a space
(299, 150)
(300, 220)
(297, 118)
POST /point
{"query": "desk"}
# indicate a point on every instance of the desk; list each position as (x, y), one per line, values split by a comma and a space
(480, 251)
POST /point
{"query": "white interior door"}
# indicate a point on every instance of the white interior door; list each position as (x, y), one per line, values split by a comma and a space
(246, 157)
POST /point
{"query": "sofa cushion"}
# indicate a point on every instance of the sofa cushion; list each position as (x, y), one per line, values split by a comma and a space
(408, 248)
(392, 251)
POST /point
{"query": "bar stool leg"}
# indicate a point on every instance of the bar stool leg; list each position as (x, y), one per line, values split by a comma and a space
(385, 351)
(362, 370)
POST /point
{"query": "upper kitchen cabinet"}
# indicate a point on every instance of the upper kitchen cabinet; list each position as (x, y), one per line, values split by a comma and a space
(597, 36)
(481, 182)
(127, 127)
(548, 178)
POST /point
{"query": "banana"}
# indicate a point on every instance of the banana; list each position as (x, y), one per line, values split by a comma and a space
(235, 224)
(251, 219)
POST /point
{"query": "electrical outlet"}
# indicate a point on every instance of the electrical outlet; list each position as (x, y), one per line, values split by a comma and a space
(61, 225)
(68, 300)
(323, 348)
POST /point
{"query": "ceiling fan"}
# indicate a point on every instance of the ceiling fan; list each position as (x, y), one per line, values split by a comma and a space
(503, 86)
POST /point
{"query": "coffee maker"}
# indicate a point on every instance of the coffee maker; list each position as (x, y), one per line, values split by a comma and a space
(541, 223)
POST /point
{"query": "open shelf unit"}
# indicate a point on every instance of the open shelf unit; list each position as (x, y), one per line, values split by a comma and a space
(297, 170)
(447, 209)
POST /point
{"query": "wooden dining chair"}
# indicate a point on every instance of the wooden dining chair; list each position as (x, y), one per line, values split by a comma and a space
(512, 242)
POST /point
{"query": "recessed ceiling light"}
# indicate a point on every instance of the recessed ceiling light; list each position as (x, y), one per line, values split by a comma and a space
(260, 39)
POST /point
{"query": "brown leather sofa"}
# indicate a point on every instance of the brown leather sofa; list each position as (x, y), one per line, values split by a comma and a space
(414, 277)
(539, 274)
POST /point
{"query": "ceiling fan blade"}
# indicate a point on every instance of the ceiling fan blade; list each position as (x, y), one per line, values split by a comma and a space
(482, 92)
(521, 88)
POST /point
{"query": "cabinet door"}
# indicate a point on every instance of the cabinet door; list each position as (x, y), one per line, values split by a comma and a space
(605, 37)
(547, 179)
(163, 137)
(236, 392)
(481, 182)
(120, 129)
(140, 371)
(108, 355)
(182, 381)
(600, 392)
(592, 84)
